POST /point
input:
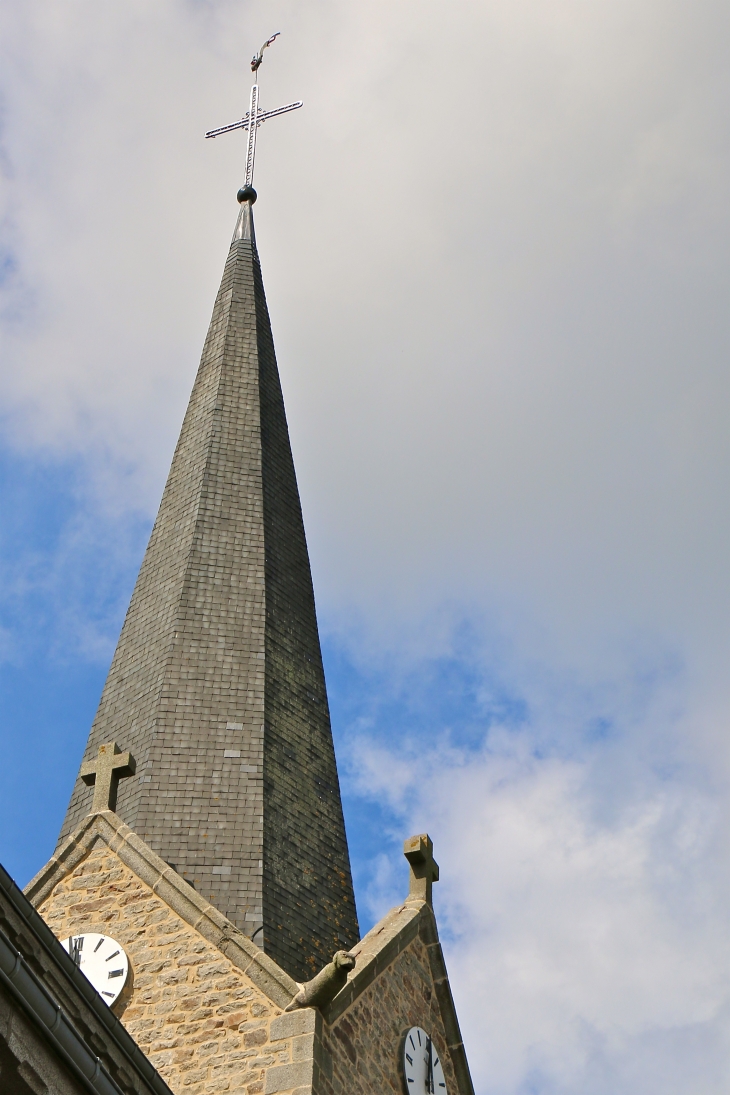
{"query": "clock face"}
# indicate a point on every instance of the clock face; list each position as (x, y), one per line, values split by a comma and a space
(422, 1069)
(103, 961)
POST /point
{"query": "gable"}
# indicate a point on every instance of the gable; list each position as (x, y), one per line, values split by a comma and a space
(215, 1014)
(206, 1020)
(399, 982)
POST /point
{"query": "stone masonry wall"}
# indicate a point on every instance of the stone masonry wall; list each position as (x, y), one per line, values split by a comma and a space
(362, 1048)
(205, 1027)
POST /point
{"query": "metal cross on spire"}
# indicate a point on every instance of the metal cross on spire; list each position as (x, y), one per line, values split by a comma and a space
(252, 119)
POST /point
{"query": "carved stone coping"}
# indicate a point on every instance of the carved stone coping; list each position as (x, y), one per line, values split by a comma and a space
(380, 947)
(107, 827)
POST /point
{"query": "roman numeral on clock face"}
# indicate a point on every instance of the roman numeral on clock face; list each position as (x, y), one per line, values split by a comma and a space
(93, 954)
(422, 1070)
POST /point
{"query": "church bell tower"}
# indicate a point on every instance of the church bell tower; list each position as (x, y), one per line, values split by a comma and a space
(201, 880)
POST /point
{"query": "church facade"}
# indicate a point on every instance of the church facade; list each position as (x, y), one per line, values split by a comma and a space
(215, 1014)
(202, 879)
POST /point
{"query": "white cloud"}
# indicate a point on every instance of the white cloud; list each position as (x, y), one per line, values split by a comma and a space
(576, 932)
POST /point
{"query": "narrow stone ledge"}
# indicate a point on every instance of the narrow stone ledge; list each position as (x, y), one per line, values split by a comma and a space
(436, 962)
(448, 1013)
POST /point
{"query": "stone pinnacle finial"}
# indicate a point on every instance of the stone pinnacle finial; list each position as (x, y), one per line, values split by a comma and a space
(418, 850)
(104, 773)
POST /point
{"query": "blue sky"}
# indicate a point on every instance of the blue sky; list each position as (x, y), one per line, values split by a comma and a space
(495, 244)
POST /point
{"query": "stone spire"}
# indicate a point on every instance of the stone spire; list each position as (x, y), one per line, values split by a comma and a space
(217, 686)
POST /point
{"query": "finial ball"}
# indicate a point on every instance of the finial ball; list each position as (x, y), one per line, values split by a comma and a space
(247, 194)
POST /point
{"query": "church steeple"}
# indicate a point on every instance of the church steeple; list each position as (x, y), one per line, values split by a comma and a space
(217, 687)
(206, 822)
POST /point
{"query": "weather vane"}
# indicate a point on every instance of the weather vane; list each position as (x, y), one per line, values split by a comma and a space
(251, 120)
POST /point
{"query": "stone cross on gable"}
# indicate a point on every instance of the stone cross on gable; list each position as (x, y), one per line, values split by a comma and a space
(104, 773)
(418, 850)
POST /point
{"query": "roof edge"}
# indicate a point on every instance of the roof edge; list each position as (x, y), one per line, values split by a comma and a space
(375, 951)
(179, 895)
(379, 949)
(38, 1004)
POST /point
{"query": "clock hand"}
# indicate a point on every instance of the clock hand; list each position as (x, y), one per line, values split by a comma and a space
(429, 1072)
(74, 950)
